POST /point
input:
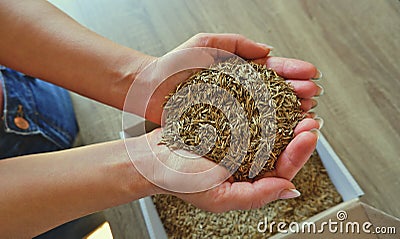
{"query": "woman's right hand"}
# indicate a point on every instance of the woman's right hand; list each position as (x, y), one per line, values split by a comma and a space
(216, 192)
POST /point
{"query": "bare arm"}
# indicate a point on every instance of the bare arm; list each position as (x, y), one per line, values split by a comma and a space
(38, 192)
(41, 191)
(38, 39)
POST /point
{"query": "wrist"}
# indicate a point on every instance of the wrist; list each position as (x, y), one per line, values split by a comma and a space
(138, 185)
(126, 70)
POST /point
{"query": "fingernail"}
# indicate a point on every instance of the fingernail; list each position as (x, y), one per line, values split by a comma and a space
(289, 193)
(311, 115)
(320, 121)
(316, 132)
(266, 46)
(318, 75)
(320, 90)
(314, 103)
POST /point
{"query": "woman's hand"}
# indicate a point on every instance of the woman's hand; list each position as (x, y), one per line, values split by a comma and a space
(297, 72)
(227, 195)
(274, 185)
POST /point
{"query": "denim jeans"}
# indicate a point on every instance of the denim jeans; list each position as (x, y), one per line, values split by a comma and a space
(37, 116)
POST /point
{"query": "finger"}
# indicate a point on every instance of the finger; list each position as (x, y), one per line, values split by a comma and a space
(310, 114)
(181, 172)
(305, 88)
(306, 125)
(233, 43)
(245, 195)
(184, 176)
(290, 68)
(171, 170)
(161, 78)
(308, 104)
(296, 154)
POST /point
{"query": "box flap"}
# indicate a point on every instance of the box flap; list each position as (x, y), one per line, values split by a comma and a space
(344, 182)
(351, 219)
(152, 220)
(383, 220)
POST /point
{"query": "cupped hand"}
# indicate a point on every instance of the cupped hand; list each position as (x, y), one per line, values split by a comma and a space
(229, 195)
(297, 72)
(272, 186)
(277, 183)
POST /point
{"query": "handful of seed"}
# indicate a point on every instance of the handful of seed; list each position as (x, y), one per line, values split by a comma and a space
(270, 120)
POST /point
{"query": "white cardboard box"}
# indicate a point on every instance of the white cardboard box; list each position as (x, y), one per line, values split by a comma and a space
(344, 182)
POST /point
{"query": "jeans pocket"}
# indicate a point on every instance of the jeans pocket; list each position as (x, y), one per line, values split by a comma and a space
(34, 108)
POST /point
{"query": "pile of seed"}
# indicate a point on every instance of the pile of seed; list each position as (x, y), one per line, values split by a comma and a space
(183, 220)
(282, 107)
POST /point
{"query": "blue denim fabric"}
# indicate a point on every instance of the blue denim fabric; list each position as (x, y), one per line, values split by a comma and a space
(46, 107)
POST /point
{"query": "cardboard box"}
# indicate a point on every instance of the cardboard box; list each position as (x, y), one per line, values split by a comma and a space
(349, 219)
(361, 221)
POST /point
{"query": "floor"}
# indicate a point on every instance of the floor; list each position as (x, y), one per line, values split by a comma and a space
(78, 228)
(354, 43)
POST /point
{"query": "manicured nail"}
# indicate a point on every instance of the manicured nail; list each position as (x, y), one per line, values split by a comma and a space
(316, 132)
(266, 46)
(289, 193)
(314, 103)
(320, 121)
(311, 115)
(318, 75)
(320, 90)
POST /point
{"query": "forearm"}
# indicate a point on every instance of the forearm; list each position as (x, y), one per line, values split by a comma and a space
(41, 191)
(38, 39)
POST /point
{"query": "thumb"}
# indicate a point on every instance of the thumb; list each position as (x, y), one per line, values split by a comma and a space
(233, 43)
(245, 196)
